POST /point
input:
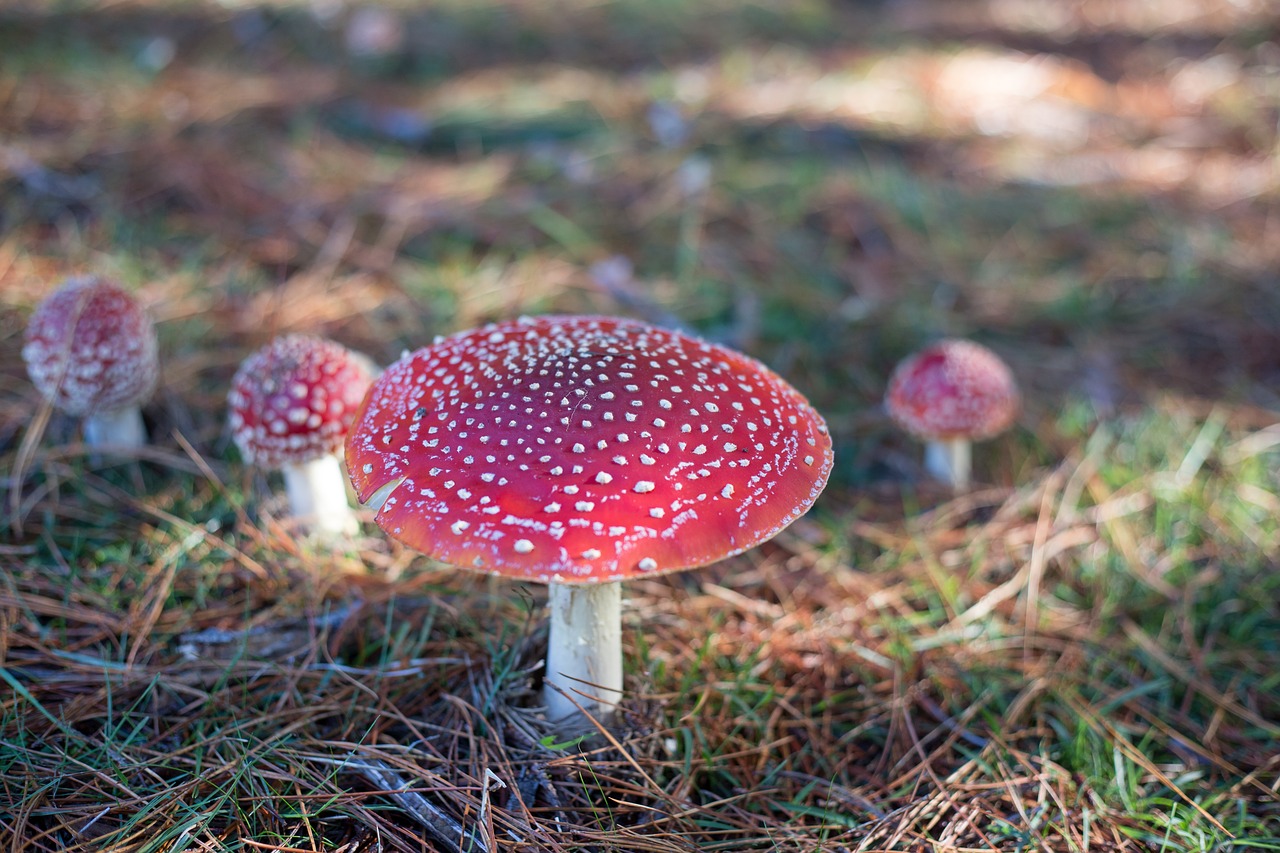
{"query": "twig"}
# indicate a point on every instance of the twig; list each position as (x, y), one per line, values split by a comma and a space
(443, 828)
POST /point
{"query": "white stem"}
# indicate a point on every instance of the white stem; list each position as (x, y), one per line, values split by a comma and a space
(950, 462)
(318, 495)
(584, 657)
(115, 428)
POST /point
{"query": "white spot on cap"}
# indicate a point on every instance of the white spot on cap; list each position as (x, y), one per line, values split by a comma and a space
(591, 554)
(523, 546)
(459, 526)
(727, 491)
(644, 486)
(657, 512)
(604, 479)
(551, 507)
(648, 564)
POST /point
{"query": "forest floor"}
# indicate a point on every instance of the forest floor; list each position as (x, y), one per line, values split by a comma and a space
(1082, 653)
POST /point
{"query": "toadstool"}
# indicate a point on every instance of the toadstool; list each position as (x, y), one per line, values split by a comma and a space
(90, 349)
(291, 404)
(951, 394)
(580, 452)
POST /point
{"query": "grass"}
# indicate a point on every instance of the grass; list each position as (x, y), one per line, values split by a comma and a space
(1082, 654)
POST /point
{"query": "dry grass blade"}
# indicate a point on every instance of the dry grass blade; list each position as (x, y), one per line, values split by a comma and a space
(27, 452)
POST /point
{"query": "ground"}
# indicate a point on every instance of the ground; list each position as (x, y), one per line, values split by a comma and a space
(1081, 653)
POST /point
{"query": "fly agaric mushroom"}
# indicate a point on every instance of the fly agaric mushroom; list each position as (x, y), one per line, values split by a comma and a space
(951, 394)
(90, 349)
(291, 404)
(580, 452)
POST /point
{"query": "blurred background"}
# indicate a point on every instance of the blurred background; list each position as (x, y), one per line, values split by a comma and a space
(1088, 187)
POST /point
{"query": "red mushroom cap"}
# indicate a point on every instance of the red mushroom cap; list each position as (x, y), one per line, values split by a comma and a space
(91, 348)
(293, 400)
(585, 449)
(954, 389)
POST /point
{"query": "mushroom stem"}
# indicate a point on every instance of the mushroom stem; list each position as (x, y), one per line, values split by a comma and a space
(115, 428)
(584, 657)
(950, 461)
(317, 492)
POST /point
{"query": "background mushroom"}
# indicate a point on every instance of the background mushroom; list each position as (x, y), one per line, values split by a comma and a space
(579, 452)
(951, 394)
(90, 350)
(290, 406)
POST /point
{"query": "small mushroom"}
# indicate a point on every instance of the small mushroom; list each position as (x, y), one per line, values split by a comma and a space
(579, 452)
(951, 394)
(90, 349)
(291, 404)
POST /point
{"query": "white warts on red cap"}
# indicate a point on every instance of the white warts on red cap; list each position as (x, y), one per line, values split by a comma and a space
(90, 348)
(293, 400)
(585, 449)
(954, 389)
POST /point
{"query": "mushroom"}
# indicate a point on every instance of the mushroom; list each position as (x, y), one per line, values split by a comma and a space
(90, 349)
(579, 452)
(291, 404)
(951, 394)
